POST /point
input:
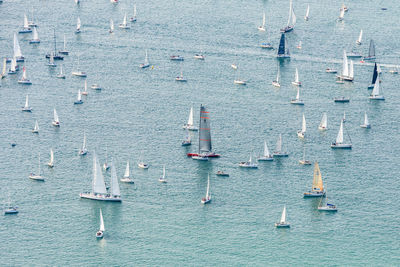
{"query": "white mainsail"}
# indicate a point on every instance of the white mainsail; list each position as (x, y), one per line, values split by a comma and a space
(17, 48)
(102, 228)
(127, 172)
(98, 184)
(360, 37)
(303, 125)
(125, 20)
(292, 17)
(24, 74)
(339, 138)
(114, 181)
(377, 90)
(65, 43)
(36, 128)
(111, 25)
(35, 34)
(298, 94)
(278, 75)
(345, 68)
(366, 121)
(55, 116)
(341, 16)
(190, 120)
(146, 59)
(26, 24)
(283, 217)
(307, 13)
(208, 194)
(26, 102)
(266, 150)
(51, 162)
(79, 95)
(296, 76)
(78, 24)
(279, 144)
(13, 67)
(351, 71)
(134, 10)
(84, 142)
(3, 72)
(324, 121)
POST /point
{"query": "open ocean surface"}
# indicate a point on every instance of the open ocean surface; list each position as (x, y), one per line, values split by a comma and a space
(140, 113)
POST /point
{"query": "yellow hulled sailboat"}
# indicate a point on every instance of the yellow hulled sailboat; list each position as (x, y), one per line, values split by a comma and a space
(317, 186)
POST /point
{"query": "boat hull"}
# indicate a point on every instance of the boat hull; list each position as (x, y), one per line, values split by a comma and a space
(305, 162)
(376, 98)
(100, 197)
(327, 208)
(341, 146)
(271, 158)
(280, 155)
(341, 100)
(56, 57)
(297, 102)
(366, 126)
(10, 212)
(282, 225)
(314, 194)
(205, 201)
(210, 155)
(36, 178)
(186, 143)
(286, 29)
(127, 180)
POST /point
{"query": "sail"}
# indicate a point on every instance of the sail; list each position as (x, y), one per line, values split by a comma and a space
(146, 59)
(134, 10)
(51, 156)
(317, 181)
(296, 76)
(371, 52)
(17, 48)
(303, 124)
(35, 34)
(84, 141)
(26, 102)
(204, 131)
(298, 94)
(126, 175)
(278, 75)
(78, 24)
(114, 181)
(13, 67)
(341, 16)
(293, 18)
(3, 72)
(124, 22)
(345, 68)
(101, 222)
(339, 137)
(79, 95)
(65, 43)
(55, 116)
(26, 24)
(23, 73)
(163, 172)
(360, 37)
(279, 144)
(366, 121)
(36, 126)
(283, 217)
(324, 121)
(351, 71)
(61, 70)
(85, 85)
(281, 50)
(376, 90)
(375, 74)
(263, 21)
(208, 187)
(290, 12)
(111, 25)
(190, 120)
(266, 150)
(51, 61)
(308, 11)
(98, 184)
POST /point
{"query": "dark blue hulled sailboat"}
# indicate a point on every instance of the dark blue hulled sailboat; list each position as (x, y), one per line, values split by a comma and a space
(374, 75)
(291, 20)
(282, 51)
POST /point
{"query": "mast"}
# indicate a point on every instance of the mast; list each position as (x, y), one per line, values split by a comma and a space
(55, 42)
(204, 131)
(39, 164)
(279, 143)
(278, 75)
(35, 34)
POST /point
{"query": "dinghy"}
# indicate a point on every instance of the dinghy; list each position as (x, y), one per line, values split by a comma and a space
(234, 66)
(307, 16)
(317, 189)
(266, 45)
(262, 27)
(37, 177)
(56, 55)
(374, 76)
(189, 125)
(276, 82)
(330, 70)
(124, 24)
(377, 93)
(266, 155)
(248, 164)
(366, 122)
(371, 51)
(64, 51)
(51, 162)
(35, 39)
(296, 81)
(99, 191)
(302, 133)
(291, 20)
(56, 120)
(24, 79)
(278, 150)
(27, 108)
(78, 25)
(146, 62)
(36, 128)
(100, 233)
(207, 198)
(353, 54)
(126, 178)
(299, 45)
(323, 125)
(162, 178)
(10, 209)
(283, 52)
(25, 28)
(347, 73)
(111, 30)
(17, 50)
(297, 100)
(83, 151)
(221, 173)
(339, 142)
(143, 165)
(359, 40)
(283, 223)
(79, 99)
(31, 23)
(304, 161)
(61, 74)
(327, 206)
(394, 70)
(133, 18)
(341, 99)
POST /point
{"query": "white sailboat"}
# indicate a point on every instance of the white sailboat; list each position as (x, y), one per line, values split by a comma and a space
(133, 18)
(83, 151)
(304, 161)
(238, 80)
(276, 82)
(278, 150)
(297, 100)
(302, 132)
(262, 27)
(189, 125)
(347, 73)
(124, 24)
(344, 117)
(100, 233)
(25, 28)
(162, 178)
(35, 39)
(78, 25)
(291, 20)
(56, 120)
(17, 50)
(366, 122)
(61, 74)
(24, 79)
(146, 62)
(207, 198)
(51, 162)
(96, 86)
(341, 15)
(359, 40)
(249, 164)
(85, 92)
(296, 79)
(14, 67)
(37, 177)
(327, 206)
(180, 78)
(79, 99)
(64, 51)
(126, 178)
(266, 156)
(377, 91)
(10, 209)
(317, 189)
(36, 128)
(324, 123)
(78, 72)
(283, 223)
(99, 191)
(27, 108)
(143, 165)
(339, 143)
(307, 16)
(111, 30)
(3, 73)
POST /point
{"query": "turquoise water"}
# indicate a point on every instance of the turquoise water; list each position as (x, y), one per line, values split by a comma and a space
(139, 114)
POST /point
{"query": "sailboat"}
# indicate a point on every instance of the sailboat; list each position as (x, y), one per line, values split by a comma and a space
(341, 15)
(100, 233)
(51, 162)
(64, 51)
(25, 28)
(205, 146)
(36, 128)
(51, 61)
(133, 18)
(14, 67)
(79, 99)
(324, 123)
(162, 178)
(366, 122)
(78, 25)
(207, 198)
(124, 24)
(377, 91)
(126, 178)
(35, 39)
(374, 76)
(83, 151)
(237, 80)
(17, 50)
(56, 120)
(24, 79)
(27, 108)
(339, 139)
(302, 132)
(277, 81)
(328, 206)
(99, 191)
(347, 73)
(297, 100)
(180, 78)
(291, 20)
(278, 150)
(317, 189)
(10, 210)
(111, 30)
(266, 156)
(371, 52)
(146, 62)
(37, 177)
(188, 140)
(142, 164)
(199, 57)
(78, 72)
(262, 27)
(360, 38)
(189, 125)
(249, 164)
(3, 73)
(283, 223)
(304, 161)
(56, 55)
(283, 52)
(61, 74)
(307, 16)
(296, 79)
(85, 92)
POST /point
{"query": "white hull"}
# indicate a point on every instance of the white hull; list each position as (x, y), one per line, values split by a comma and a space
(300, 134)
(321, 128)
(305, 162)
(205, 201)
(314, 194)
(296, 83)
(99, 234)
(101, 197)
(266, 158)
(143, 165)
(296, 102)
(377, 97)
(276, 84)
(366, 126)
(239, 82)
(327, 208)
(79, 73)
(248, 165)
(55, 123)
(190, 127)
(127, 180)
(36, 178)
(282, 225)
(201, 158)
